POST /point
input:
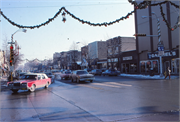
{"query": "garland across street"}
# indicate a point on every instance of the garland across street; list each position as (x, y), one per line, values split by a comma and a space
(141, 5)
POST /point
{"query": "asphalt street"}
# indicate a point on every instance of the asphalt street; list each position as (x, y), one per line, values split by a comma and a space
(106, 99)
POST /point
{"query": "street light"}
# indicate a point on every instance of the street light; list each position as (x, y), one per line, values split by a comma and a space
(12, 52)
(159, 39)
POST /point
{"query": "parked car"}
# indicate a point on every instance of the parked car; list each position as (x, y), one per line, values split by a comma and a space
(30, 82)
(111, 72)
(50, 75)
(88, 69)
(81, 75)
(103, 69)
(65, 74)
(96, 72)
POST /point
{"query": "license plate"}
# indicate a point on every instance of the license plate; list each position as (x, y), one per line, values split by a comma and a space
(23, 88)
(87, 79)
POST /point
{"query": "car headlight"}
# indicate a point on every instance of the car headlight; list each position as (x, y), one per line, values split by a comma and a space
(10, 84)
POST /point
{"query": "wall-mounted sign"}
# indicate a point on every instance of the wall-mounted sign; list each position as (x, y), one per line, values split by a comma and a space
(155, 55)
(127, 58)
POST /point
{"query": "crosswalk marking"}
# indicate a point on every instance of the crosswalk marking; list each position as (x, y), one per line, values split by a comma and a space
(121, 84)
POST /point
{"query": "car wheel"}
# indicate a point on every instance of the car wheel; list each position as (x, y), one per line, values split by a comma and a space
(32, 88)
(47, 85)
(103, 75)
(72, 80)
(91, 81)
(14, 91)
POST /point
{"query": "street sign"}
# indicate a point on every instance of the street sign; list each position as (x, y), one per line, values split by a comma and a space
(160, 53)
(161, 48)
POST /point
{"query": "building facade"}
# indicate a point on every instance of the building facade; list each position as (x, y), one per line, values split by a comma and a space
(117, 48)
(146, 22)
(97, 54)
(73, 58)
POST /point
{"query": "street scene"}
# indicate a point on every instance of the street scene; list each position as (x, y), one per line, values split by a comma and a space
(89, 61)
(111, 98)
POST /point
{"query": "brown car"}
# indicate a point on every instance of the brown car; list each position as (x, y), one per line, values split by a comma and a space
(81, 75)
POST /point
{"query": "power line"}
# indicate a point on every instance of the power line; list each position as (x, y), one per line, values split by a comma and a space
(64, 6)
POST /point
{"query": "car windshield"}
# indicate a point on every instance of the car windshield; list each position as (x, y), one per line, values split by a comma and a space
(22, 74)
(82, 72)
(29, 77)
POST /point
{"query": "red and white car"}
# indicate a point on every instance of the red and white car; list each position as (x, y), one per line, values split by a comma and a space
(30, 82)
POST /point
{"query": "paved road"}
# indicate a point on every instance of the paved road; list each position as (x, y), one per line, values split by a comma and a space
(106, 99)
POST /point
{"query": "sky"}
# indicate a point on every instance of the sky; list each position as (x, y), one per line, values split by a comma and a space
(57, 36)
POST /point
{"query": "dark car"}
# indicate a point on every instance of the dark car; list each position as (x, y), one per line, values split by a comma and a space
(88, 69)
(96, 72)
(111, 72)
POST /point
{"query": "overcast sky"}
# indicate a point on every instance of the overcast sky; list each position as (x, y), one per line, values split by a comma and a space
(58, 36)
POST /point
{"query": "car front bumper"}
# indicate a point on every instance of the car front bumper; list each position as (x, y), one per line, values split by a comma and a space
(17, 87)
(86, 79)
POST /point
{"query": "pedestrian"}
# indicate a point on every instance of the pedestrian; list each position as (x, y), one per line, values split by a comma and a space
(165, 74)
(169, 73)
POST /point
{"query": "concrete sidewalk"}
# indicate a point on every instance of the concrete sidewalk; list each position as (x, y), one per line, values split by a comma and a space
(140, 76)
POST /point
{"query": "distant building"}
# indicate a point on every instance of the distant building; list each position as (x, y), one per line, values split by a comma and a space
(116, 47)
(97, 54)
(73, 59)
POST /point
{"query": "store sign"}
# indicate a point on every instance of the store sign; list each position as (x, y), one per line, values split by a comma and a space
(127, 58)
(155, 55)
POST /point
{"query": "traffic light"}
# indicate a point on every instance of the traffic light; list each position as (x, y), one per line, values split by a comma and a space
(11, 55)
(139, 34)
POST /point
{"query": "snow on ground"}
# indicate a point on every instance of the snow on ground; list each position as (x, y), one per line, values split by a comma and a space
(148, 76)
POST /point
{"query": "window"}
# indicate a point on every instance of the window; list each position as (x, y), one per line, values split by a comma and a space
(39, 77)
(43, 77)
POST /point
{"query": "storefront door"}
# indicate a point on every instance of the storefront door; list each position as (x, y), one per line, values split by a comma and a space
(166, 65)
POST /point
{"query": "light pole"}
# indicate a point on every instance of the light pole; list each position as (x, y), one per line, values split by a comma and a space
(160, 44)
(12, 52)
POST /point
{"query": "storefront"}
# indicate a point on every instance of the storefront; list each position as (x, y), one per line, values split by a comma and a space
(148, 65)
(113, 63)
(128, 62)
(102, 64)
(169, 59)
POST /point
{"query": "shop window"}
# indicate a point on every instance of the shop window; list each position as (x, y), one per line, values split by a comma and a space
(143, 67)
(173, 66)
(155, 66)
(177, 65)
(148, 67)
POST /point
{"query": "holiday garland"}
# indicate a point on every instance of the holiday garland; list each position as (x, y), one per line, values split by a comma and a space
(141, 5)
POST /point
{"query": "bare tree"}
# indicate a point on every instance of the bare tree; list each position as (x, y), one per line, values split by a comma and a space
(113, 51)
(17, 58)
(73, 55)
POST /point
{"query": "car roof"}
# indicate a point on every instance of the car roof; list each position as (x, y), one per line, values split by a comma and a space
(35, 74)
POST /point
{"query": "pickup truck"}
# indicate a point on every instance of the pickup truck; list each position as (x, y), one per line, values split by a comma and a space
(30, 81)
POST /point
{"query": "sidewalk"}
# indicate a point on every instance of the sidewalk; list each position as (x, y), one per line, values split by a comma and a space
(140, 76)
(3, 81)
